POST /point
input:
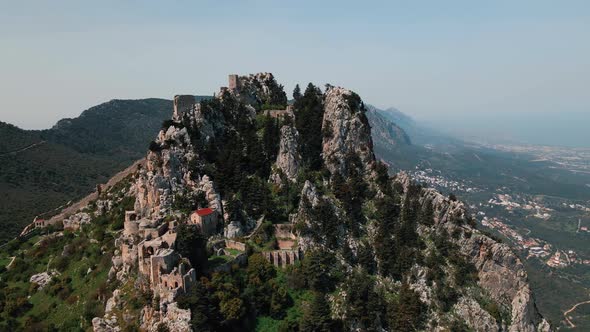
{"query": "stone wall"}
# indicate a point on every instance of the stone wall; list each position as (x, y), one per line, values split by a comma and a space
(233, 82)
(182, 104)
(286, 244)
(178, 279)
(240, 260)
(162, 262)
(129, 254)
(231, 244)
(282, 258)
(279, 113)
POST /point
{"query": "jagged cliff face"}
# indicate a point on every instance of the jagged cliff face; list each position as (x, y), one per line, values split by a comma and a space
(166, 172)
(288, 159)
(500, 272)
(346, 131)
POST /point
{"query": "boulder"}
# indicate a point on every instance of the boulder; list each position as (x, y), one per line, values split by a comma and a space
(42, 279)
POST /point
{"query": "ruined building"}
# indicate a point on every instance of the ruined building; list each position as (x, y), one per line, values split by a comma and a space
(234, 83)
(150, 244)
(182, 104)
(288, 252)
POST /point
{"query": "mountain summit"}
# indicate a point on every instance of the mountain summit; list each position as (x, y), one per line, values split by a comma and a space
(255, 214)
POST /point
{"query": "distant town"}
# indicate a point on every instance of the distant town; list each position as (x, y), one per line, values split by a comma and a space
(530, 247)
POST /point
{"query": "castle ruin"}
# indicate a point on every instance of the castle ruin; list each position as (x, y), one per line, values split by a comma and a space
(234, 82)
(182, 104)
(288, 252)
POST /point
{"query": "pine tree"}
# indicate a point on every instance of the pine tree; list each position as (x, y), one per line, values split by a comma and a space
(279, 302)
(309, 114)
(205, 314)
(190, 243)
(317, 269)
(407, 313)
(316, 318)
(297, 92)
(426, 216)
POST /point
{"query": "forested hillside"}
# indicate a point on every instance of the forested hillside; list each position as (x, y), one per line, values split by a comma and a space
(42, 170)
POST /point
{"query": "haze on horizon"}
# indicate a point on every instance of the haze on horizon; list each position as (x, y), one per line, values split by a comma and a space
(513, 70)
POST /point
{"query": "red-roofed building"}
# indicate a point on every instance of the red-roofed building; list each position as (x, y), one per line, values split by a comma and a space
(204, 212)
(39, 222)
(206, 219)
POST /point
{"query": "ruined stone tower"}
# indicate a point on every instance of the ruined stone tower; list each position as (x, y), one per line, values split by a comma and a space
(182, 103)
(233, 82)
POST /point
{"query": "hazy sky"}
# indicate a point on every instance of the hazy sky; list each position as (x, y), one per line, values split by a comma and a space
(430, 59)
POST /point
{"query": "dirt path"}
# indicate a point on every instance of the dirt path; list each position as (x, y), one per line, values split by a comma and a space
(11, 261)
(571, 324)
(21, 150)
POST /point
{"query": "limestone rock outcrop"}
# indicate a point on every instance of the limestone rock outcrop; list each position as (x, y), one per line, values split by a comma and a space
(105, 325)
(76, 220)
(258, 89)
(288, 158)
(164, 175)
(42, 279)
(169, 316)
(346, 132)
(211, 195)
(321, 221)
(476, 317)
(305, 219)
(500, 271)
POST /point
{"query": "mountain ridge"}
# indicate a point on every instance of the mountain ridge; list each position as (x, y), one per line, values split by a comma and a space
(348, 207)
(174, 170)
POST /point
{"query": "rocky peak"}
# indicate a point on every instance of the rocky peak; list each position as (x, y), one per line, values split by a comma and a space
(346, 132)
(330, 214)
(258, 89)
(288, 158)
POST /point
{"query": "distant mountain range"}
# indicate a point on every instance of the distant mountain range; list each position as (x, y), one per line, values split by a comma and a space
(468, 161)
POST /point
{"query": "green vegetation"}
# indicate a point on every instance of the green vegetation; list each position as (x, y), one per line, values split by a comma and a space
(71, 158)
(80, 261)
(191, 245)
(309, 114)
